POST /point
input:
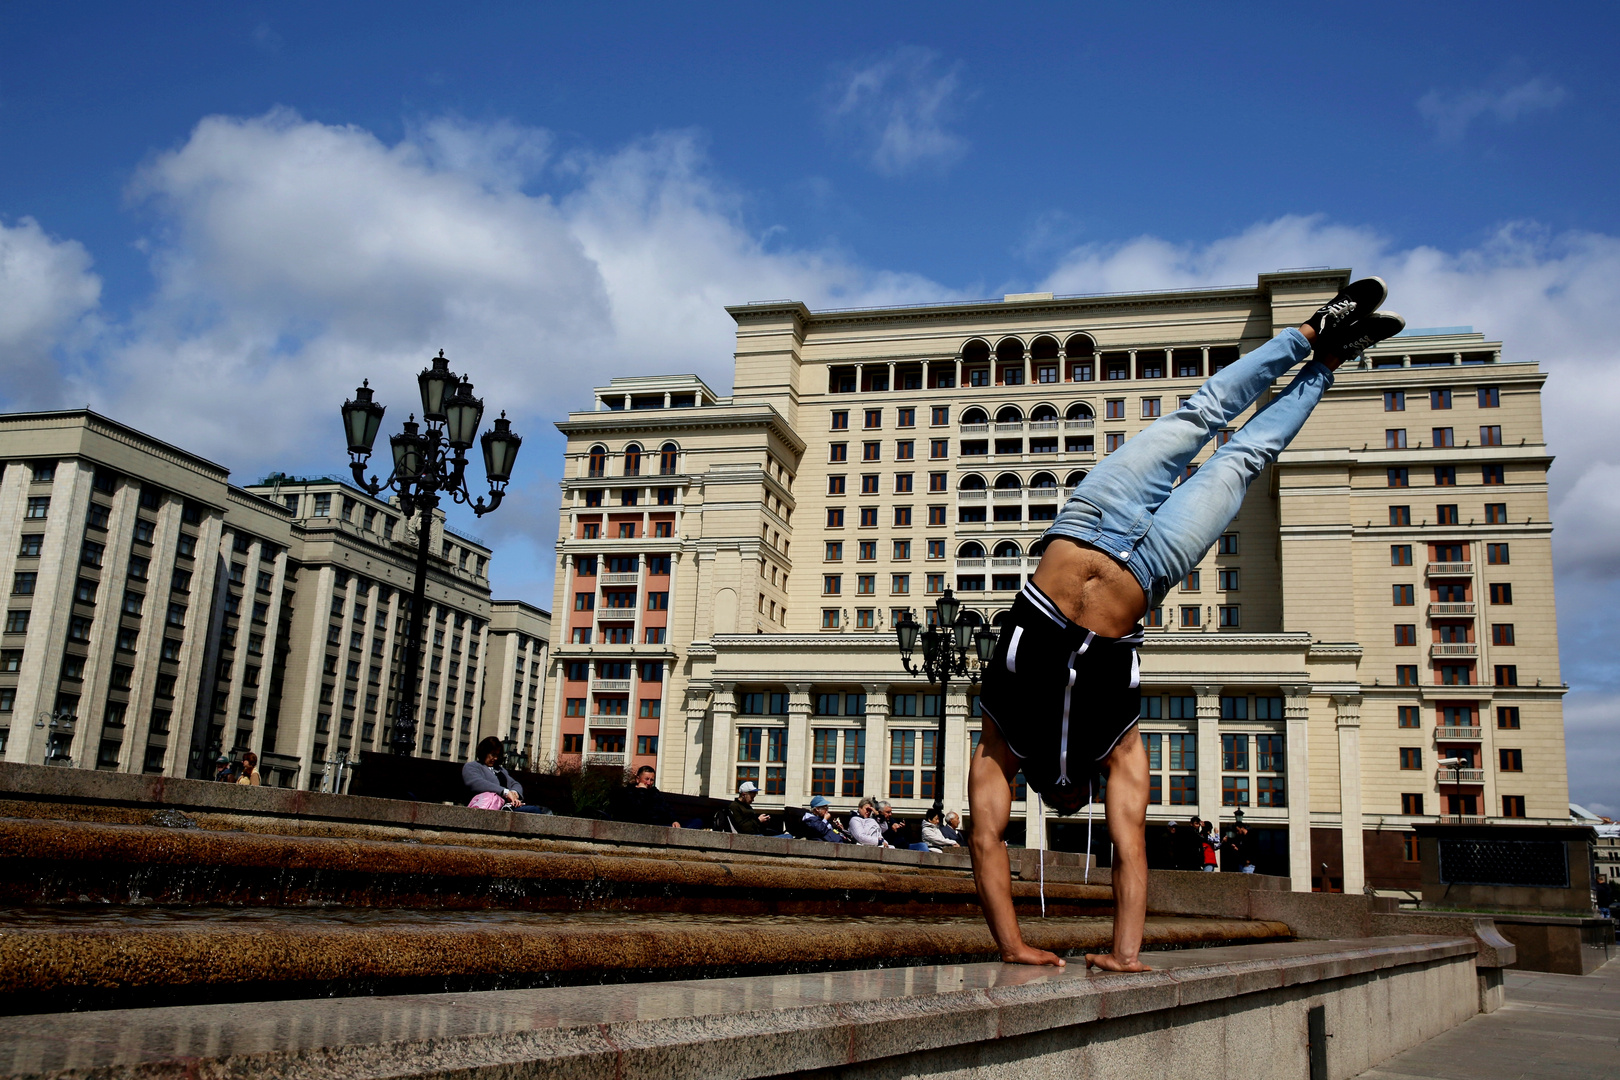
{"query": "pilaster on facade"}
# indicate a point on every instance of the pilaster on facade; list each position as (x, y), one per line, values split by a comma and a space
(1347, 721)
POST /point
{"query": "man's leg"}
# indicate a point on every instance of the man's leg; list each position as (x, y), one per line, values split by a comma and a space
(1126, 801)
(1200, 509)
(1143, 472)
(990, 804)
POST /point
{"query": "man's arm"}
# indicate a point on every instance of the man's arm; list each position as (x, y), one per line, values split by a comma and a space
(990, 805)
(1126, 803)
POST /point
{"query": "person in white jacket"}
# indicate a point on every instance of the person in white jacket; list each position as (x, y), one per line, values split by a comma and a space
(864, 826)
(933, 835)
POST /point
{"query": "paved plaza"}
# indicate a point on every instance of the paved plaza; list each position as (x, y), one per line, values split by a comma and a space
(1553, 1027)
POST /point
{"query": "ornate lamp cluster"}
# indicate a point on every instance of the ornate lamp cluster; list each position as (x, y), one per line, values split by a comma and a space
(945, 653)
(427, 463)
(435, 460)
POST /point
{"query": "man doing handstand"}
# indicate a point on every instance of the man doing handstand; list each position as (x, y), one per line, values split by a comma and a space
(1062, 692)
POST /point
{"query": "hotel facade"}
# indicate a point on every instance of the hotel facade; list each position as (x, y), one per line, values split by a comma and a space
(1372, 644)
(160, 617)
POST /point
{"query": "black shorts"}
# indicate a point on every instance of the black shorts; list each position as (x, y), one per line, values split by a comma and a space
(1061, 696)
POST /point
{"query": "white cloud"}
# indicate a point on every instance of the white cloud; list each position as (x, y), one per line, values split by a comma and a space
(48, 301)
(1453, 113)
(898, 107)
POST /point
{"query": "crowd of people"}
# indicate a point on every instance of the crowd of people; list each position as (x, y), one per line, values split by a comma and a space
(1198, 845)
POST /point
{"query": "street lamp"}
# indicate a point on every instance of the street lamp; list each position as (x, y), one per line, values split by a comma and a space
(945, 653)
(428, 461)
(59, 723)
(1456, 764)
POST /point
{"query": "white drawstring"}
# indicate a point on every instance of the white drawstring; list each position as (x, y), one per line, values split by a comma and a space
(1090, 810)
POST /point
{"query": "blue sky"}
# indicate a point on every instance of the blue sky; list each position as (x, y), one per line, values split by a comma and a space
(266, 202)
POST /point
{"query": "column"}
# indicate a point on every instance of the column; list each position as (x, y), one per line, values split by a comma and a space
(724, 714)
(1203, 361)
(692, 780)
(891, 376)
(860, 378)
(956, 752)
(1296, 712)
(798, 743)
(1348, 707)
(925, 375)
(1209, 751)
(877, 728)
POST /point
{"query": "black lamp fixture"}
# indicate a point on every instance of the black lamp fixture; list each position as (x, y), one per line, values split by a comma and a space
(945, 647)
(430, 460)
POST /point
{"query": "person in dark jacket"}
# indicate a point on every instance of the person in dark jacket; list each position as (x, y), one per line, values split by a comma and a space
(642, 802)
(486, 773)
(819, 823)
(744, 818)
(952, 827)
(1190, 853)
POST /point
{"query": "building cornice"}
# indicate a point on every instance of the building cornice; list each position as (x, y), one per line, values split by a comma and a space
(706, 417)
(109, 428)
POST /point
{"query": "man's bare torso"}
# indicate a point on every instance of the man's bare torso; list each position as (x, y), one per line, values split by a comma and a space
(1093, 589)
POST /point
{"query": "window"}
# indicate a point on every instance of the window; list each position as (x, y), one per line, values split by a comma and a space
(1493, 474)
(832, 584)
(79, 628)
(1234, 791)
(1113, 441)
(869, 484)
(1490, 435)
(16, 622)
(872, 451)
(1408, 716)
(1231, 616)
(1183, 788)
(874, 418)
(1445, 476)
(1446, 514)
(835, 551)
(869, 517)
(902, 483)
(1439, 399)
(1151, 408)
(1228, 579)
(1511, 760)
(91, 554)
(1400, 515)
(1502, 633)
(38, 508)
(1228, 544)
(902, 550)
(1406, 675)
(1235, 753)
(1513, 806)
(936, 516)
(1507, 717)
(585, 601)
(11, 660)
(1394, 438)
(865, 584)
(835, 517)
(1394, 400)
(1501, 593)
(658, 601)
(1399, 477)
(1411, 757)
(1404, 595)
(1192, 616)
(1400, 555)
(1114, 409)
(1443, 437)
(829, 618)
(1496, 513)
(1507, 675)
(1412, 806)
(939, 448)
(1405, 634)
(899, 584)
(940, 415)
(838, 451)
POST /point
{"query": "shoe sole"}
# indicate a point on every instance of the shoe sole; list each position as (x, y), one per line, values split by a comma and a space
(1377, 327)
(1366, 293)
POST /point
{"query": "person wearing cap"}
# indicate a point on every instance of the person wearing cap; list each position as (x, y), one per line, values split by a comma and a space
(744, 818)
(819, 823)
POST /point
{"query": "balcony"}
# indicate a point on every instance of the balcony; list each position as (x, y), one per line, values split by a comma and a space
(1042, 425)
(631, 578)
(1465, 648)
(1009, 493)
(606, 685)
(970, 564)
(1079, 425)
(1450, 569)
(1017, 562)
(1452, 610)
(1456, 734)
(975, 429)
(598, 720)
(1014, 428)
(604, 759)
(971, 495)
(1460, 776)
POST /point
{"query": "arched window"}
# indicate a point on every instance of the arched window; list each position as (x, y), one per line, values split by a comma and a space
(668, 459)
(1075, 477)
(1000, 618)
(1010, 350)
(1079, 345)
(1044, 347)
(970, 550)
(1010, 414)
(971, 618)
(1044, 483)
(1008, 482)
(597, 463)
(1008, 550)
(976, 351)
(1080, 411)
(632, 460)
(1043, 414)
(975, 416)
(971, 482)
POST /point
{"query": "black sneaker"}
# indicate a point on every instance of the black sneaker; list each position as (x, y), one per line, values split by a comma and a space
(1349, 340)
(1355, 301)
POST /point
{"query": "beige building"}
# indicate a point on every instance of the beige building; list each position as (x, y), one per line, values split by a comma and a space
(731, 567)
(176, 617)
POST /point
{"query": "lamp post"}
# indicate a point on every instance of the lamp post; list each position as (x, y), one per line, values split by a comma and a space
(57, 723)
(428, 463)
(945, 653)
(1456, 764)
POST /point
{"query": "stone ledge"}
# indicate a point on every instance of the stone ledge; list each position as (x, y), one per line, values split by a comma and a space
(725, 1027)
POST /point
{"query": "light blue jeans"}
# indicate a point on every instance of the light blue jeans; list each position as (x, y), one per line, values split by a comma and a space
(1131, 507)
